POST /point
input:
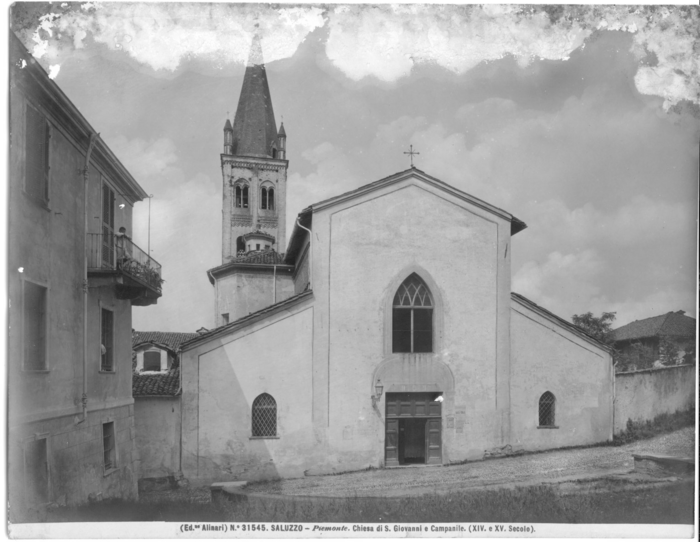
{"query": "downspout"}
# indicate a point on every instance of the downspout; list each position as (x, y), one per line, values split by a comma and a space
(274, 284)
(614, 397)
(86, 179)
(311, 254)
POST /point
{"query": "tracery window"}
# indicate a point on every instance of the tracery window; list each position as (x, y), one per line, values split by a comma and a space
(267, 199)
(547, 403)
(412, 317)
(264, 416)
(242, 196)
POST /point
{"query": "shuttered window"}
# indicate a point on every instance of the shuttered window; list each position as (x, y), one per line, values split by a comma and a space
(36, 181)
(107, 337)
(109, 446)
(34, 326)
(151, 361)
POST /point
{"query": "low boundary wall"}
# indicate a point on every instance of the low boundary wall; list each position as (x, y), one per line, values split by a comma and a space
(640, 396)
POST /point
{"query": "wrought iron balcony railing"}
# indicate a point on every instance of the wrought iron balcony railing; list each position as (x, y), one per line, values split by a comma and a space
(114, 252)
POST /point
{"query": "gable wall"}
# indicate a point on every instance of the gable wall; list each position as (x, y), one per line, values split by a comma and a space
(222, 378)
(548, 357)
(363, 250)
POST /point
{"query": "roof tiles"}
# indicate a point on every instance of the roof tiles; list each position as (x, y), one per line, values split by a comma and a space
(672, 324)
(156, 385)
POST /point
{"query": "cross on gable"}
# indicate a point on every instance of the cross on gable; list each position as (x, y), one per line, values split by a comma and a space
(411, 153)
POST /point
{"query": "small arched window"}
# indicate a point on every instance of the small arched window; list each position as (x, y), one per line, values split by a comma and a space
(241, 196)
(240, 244)
(264, 416)
(547, 403)
(267, 199)
(412, 317)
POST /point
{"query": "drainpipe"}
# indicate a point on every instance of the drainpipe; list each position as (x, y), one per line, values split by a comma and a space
(86, 179)
(311, 253)
(274, 284)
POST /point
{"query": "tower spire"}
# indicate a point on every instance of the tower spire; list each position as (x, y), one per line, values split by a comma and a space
(254, 127)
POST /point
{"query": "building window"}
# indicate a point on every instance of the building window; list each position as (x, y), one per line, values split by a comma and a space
(547, 410)
(412, 317)
(109, 446)
(36, 471)
(264, 416)
(36, 182)
(151, 361)
(107, 338)
(107, 226)
(34, 327)
(267, 199)
(241, 196)
(240, 245)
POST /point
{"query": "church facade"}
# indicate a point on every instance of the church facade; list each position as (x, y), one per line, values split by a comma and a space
(385, 335)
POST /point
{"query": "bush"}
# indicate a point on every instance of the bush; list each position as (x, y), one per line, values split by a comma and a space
(663, 423)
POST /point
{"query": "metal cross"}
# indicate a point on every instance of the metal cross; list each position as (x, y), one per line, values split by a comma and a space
(411, 153)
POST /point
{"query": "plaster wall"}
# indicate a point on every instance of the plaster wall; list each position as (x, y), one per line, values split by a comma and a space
(222, 378)
(244, 291)
(158, 422)
(548, 357)
(47, 241)
(363, 250)
(640, 396)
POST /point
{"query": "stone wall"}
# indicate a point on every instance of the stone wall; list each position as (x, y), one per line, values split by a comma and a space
(157, 421)
(642, 395)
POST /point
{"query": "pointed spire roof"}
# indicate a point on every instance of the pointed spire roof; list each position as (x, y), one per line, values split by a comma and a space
(228, 126)
(282, 133)
(254, 126)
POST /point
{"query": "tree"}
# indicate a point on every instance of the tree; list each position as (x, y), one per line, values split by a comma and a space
(599, 327)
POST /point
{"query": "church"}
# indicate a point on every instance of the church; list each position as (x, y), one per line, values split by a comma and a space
(384, 334)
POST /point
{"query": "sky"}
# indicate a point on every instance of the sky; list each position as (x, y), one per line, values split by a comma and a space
(584, 122)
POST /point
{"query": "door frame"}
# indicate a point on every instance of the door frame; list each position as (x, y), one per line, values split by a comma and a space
(412, 405)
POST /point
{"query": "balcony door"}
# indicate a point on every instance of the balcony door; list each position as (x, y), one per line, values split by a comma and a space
(107, 226)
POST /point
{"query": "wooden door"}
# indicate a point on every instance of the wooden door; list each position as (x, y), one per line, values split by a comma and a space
(392, 443)
(433, 442)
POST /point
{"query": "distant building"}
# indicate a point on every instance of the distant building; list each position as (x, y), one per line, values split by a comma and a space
(656, 333)
(157, 390)
(73, 278)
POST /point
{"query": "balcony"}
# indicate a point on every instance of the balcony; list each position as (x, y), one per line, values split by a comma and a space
(114, 259)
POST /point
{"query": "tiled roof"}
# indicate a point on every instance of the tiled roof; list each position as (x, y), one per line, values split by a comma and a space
(673, 324)
(164, 338)
(254, 126)
(259, 256)
(249, 318)
(163, 384)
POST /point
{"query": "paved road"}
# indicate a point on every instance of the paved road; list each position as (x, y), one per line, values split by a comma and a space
(524, 470)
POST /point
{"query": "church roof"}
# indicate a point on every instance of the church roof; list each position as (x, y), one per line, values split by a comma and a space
(254, 127)
(261, 258)
(672, 324)
(156, 385)
(170, 340)
(558, 320)
(246, 320)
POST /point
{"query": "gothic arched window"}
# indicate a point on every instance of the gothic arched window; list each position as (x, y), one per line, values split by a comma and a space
(264, 416)
(412, 317)
(547, 402)
(242, 196)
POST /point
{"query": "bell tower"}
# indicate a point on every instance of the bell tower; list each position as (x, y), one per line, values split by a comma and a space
(254, 168)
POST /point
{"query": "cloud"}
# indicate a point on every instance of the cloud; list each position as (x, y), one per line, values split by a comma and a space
(387, 41)
(381, 41)
(164, 35)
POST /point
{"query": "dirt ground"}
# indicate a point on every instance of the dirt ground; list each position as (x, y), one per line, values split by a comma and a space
(531, 469)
